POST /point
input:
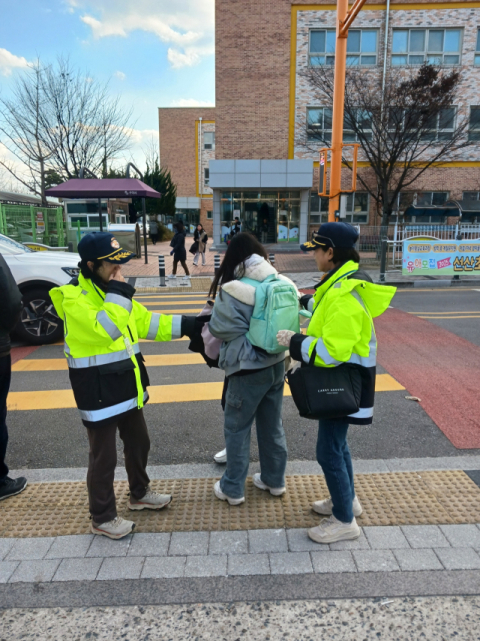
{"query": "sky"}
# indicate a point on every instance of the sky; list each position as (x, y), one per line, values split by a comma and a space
(154, 53)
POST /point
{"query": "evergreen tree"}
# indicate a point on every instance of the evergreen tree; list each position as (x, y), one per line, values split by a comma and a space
(160, 179)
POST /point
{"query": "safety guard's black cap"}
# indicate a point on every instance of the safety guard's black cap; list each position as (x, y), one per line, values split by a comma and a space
(100, 245)
(332, 235)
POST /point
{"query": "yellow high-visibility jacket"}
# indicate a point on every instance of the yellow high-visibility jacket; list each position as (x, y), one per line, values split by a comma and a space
(102, 330)
(341, 329)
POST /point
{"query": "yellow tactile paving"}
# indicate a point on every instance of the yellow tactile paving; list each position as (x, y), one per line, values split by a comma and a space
(400, 498)
(184, 393)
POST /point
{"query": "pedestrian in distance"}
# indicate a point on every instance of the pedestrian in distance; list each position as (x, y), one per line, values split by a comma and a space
(178, 252)
(255, 378)
(10, 310)
(236, 227)
(103, 325)
(340, 331)
(200, 237)
(153, 230)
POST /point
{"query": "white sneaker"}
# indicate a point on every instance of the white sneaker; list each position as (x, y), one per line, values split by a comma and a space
(151, 501)
(223, 497)
(325, 507)
(275, 491)
(116, 529)
(221, 457)
(331, 530)
(172, 276)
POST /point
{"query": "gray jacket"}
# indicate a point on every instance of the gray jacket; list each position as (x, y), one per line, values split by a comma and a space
(231, 320)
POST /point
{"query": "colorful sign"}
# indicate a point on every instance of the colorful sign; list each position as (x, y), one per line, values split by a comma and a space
(441, 257)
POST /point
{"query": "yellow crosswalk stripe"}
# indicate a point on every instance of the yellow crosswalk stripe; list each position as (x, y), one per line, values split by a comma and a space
(151, 360)
(181, 393)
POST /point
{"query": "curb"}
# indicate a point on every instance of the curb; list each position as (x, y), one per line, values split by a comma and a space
(429, 284)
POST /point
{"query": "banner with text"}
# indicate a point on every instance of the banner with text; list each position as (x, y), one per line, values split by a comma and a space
(441, 257)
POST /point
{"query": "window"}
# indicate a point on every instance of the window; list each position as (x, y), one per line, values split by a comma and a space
(477, 49)
(474, 124)
(206, 176)
(437, 127)
(403, 200)
(361, 47)
(431, 198)
(435, 46)
(209, 215)
(471, 195)
(209, 140)
(357, 209)
(319, 124)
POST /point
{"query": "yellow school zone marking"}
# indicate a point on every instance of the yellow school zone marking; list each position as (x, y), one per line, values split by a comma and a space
(185, 393)
(152, 360)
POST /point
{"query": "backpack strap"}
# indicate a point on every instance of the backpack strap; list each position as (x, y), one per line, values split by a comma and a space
(257, 283)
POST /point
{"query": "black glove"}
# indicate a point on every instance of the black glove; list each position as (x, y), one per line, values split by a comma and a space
(305, 299)
(188, 326)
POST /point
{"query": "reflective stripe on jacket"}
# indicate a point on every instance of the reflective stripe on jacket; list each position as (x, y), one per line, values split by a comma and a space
(341, 329)
(102, 331)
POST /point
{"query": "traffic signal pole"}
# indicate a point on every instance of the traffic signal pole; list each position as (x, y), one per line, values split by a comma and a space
(344, 21)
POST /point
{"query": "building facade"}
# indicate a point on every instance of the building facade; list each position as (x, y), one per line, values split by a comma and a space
(263, 165)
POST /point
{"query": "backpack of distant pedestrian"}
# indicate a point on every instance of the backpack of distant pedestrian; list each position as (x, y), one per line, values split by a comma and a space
(276, 307)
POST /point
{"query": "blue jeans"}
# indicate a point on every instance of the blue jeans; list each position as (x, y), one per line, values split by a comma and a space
(256, 396)
(334, 457)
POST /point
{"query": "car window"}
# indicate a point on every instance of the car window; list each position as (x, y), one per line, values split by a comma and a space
(10, 246)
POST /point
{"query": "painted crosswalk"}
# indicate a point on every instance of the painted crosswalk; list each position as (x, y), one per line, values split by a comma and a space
(48, 359)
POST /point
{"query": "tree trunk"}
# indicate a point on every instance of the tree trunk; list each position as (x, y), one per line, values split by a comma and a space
(42, 183)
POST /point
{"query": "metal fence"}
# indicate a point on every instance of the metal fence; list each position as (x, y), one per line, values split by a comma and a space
(370, 239)
(29, 223)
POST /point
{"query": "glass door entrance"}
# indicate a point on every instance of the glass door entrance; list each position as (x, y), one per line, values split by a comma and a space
(273, 217)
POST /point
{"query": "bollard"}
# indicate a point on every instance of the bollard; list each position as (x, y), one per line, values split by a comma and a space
(216, 262)
(70, 246)
(161, 270)
(271, 258)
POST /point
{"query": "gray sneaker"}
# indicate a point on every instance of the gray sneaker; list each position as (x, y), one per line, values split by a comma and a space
(275, 491)
(115, 529)
(331, 530)
(151, 501)
(326, 505)
(223, 497)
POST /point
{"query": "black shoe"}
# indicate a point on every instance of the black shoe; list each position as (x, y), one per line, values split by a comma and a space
(10, 487)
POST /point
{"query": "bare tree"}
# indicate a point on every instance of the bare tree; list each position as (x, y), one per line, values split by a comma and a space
(402, 130)
(21, 129)
(59, 120)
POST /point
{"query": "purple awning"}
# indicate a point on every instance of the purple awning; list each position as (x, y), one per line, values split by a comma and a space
(103, 188)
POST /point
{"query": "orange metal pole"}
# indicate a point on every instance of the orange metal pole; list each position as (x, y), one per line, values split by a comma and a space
(344, 20)
(338, 111)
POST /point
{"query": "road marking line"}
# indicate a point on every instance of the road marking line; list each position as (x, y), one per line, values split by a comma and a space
(180, 393)
(152, 360)
(453, 311)
(448, 317)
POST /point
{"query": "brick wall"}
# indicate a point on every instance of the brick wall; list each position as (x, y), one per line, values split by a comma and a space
(252, 43)
(177, 144)
(206, 205)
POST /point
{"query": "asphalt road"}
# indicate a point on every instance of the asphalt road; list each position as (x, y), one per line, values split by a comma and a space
(456, 310)
(191, 432)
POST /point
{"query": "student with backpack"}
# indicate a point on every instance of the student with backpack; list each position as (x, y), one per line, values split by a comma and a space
(253, 304)
(341, 337)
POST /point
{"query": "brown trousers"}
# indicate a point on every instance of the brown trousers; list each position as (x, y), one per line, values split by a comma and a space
(183, 264)
(102, 460)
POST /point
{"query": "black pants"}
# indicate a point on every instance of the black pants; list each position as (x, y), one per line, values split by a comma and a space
(102, 461)
(183, 264)
(154, 238)
(5, 376)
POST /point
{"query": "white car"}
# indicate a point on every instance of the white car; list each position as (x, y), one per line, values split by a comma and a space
(35, 273)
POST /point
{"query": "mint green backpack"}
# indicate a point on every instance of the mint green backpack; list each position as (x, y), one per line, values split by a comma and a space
(276, 307)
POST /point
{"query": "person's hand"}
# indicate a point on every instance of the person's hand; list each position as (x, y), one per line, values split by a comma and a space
(171, 253)
(117, 275)
(284, 336)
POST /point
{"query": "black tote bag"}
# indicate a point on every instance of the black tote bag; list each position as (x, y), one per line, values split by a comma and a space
(325, 392)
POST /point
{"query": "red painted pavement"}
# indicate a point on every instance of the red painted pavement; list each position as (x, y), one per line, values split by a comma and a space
(442, 369)
(18, 353)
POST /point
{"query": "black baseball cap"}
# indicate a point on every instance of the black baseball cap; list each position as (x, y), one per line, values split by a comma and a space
(332, 235)
(100, 245)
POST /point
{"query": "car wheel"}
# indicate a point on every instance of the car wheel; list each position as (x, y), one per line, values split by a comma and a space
(39, 323)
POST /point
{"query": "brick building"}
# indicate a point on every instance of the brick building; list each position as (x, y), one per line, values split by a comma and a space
(249, 157)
